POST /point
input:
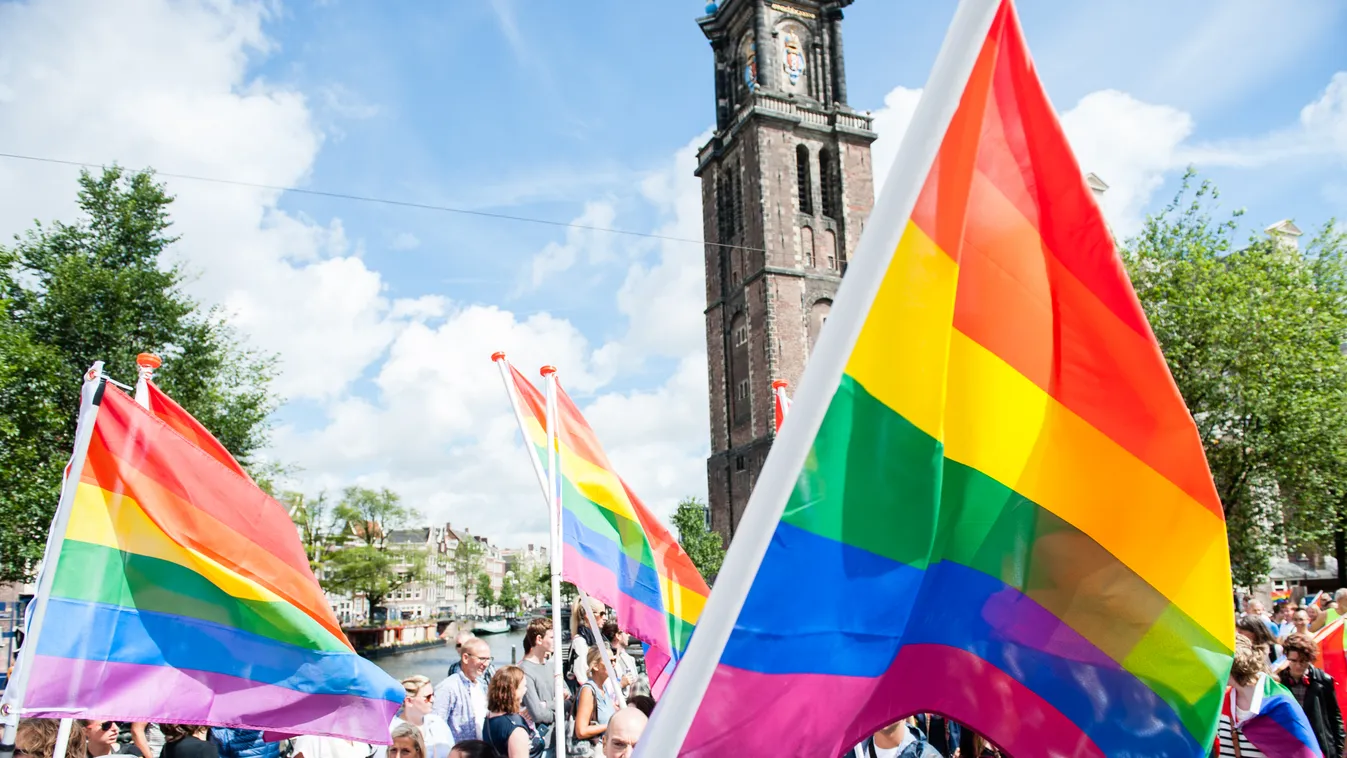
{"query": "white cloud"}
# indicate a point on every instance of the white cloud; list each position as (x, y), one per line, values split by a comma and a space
(405, 241)
(581, 243)
(1129, 144)
(167, 85)
(890, 123)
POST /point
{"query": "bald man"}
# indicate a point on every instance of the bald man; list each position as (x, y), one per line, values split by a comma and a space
(461, 699)
(624, 730)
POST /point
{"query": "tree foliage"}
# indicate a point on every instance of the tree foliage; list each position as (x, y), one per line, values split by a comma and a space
(1253, 336)
(363, 561)
(468, 563)
(508, 599)
(486, 597)
(703, 546)
(106, 287)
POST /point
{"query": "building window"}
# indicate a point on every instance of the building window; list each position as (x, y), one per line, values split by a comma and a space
(830, 249)
(739, 463)
(740, 335)
(807, 246)
(804, 185)
(828, 183)
(741, 390)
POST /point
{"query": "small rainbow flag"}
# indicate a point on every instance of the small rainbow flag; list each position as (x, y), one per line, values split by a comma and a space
(613, 546)
(1278, 726)
(181, 594)
(988, 417)
(1281, 594)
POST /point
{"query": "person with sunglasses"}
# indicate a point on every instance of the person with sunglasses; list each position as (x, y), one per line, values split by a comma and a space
(104, 739)
(459, 639)
(418, 705)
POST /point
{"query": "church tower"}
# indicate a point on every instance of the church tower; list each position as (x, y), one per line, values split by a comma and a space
(786, 189)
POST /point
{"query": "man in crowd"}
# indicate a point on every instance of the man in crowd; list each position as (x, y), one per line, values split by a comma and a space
(460, 700)
(1256, 610)
(624, 731)
(459, 639)
(897, 740)
(538, 676)
(1314, 689)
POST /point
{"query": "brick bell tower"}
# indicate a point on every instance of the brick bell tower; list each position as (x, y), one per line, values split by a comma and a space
(786, 189)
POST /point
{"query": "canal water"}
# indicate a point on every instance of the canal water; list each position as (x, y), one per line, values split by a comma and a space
(434, 663)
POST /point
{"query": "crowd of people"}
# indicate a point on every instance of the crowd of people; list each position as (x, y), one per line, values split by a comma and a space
(479, 710)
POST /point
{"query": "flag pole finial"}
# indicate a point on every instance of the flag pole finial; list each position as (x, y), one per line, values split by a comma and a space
(147, 363)
(547, 370)
(498, 356)
(780, 384)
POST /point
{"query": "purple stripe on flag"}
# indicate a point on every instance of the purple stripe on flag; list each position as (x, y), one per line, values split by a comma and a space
(136, 692)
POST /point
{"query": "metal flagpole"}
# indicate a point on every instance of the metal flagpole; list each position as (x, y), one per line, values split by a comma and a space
(598, 642)
(673, 717)
(11, 708)
(560, 741)
(147, 363)
(551, 489)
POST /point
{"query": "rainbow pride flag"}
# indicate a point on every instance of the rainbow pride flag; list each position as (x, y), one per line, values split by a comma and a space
(989, 419)
(1278, 726)
(181, 594)
(166, 410)
(613, 547)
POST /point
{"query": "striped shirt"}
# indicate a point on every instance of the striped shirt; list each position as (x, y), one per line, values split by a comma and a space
(1246, 748)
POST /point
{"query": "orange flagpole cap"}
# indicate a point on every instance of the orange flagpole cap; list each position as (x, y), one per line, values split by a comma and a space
(497, 356)
(780, 384)
(547, 370)
(148, 360)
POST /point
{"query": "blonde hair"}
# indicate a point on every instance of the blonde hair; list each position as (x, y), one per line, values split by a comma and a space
(1250, 661)
(413, 684)
(595, 660)
(413, 733)
(38, 737)
(578, 619)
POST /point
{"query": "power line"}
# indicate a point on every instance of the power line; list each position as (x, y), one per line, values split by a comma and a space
(397, 203)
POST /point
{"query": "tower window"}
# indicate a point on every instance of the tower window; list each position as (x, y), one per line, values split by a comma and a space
(741, 391)
(807, 246)
(830, 249)
(828, 182)
(739, 463)
(729, 204)
(804, 185)
(740, 335)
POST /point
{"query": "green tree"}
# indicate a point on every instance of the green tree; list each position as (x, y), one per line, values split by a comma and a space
(372, 566)
(703, 546)
(1254, 338)
(105, 287)
(509, 593)
(486, 597)
(468, 563)
(319, 527)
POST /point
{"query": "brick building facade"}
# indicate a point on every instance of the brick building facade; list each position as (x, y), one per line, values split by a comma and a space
(786, 188)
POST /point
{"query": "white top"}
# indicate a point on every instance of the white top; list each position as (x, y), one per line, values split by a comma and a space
(329, 747)
(434, 732)
(478, 709)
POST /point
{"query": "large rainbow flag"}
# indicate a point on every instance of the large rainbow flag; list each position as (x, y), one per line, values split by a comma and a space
(182, 594)
(1001, 511)
(613, 547)
(1276, 726)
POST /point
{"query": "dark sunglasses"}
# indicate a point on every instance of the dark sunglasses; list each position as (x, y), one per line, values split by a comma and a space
(103, 726)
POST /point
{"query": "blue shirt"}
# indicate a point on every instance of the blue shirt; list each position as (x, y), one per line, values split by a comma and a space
(454, 704)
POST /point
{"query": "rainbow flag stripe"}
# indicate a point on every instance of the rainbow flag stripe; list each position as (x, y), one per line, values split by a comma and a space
(182, 595)
(1005, 432)
(168, 411)
(1279, 727)
(613, 546)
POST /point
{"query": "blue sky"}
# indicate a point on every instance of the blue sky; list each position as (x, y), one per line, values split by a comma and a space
(385, 316)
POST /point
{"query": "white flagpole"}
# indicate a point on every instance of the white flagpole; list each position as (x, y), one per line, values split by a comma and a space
(503, 364)
(598, 642)
(559, 741)
(11, 708)
(663, 738)
(146, 363)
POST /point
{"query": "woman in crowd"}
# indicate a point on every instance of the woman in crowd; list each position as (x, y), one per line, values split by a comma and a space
(407, 742)
(582, 640)
(505, 728)
(187, 741)
(1256, 631)
(36, 738)
(624, 666)
(1246, 677)
(417, 704)
(593, 708)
